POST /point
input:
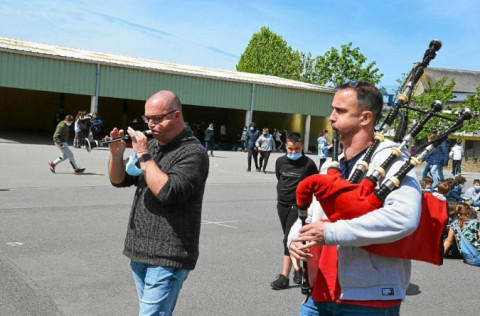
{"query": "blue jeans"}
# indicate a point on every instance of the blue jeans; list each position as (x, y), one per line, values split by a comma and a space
(157, 287)
(209, 146)
(426, 170)
(437, 173)
(311, 308)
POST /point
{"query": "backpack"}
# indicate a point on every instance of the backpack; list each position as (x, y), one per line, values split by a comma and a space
(470, 254)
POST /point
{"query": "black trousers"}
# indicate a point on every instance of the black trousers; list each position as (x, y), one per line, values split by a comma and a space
(322, 161)
(254, 153)
(264, 155)
(288, 215)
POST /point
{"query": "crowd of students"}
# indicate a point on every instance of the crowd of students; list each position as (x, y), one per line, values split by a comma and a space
(462, 234)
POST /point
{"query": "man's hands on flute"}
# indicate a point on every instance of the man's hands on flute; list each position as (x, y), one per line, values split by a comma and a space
(139, 141)
(117, 148)
(116, 166)
(309, 235)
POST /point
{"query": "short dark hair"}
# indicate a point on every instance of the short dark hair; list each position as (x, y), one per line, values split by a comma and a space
(368, 96)
(443, 187)
(294, 137)
(459, 180)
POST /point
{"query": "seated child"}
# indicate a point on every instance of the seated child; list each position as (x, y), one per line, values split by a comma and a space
(443, 189)
(472, 194)
(426, 184)
(456, 191)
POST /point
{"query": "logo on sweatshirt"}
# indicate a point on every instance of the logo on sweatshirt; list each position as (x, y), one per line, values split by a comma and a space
(387, 291)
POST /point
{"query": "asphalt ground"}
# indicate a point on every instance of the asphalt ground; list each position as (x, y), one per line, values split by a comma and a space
(61, 242)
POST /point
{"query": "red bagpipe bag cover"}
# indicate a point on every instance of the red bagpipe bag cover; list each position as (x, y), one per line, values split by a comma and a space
(342, 200)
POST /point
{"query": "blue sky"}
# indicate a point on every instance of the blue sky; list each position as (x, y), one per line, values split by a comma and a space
(214, 33)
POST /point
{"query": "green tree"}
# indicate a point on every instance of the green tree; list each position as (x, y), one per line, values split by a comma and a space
(473, 103)
(442, 90)
(336, 67)
(268, 53)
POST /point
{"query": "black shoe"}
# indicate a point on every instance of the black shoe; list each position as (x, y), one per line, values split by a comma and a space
(297, 276)
(280, 283)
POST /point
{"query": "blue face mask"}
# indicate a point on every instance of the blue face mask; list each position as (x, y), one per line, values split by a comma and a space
(131, 168)
(461, 186)
(477, 187)
(68, 124)
(294, 156)
(251, 128)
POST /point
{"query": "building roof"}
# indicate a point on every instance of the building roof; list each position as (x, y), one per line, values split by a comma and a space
(58, 52)
(466, 81)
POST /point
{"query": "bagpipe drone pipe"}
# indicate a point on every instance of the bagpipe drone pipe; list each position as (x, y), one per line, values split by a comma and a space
(402, 100)
(342, 200)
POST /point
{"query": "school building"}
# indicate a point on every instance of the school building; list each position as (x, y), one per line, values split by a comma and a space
(39, 82)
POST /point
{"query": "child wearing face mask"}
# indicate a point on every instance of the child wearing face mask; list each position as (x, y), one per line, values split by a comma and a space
(456, 192)
(60, 139)
(290, 169)
(472, 194)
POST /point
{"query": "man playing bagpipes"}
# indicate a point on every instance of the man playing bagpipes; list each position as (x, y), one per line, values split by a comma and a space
(365, 281)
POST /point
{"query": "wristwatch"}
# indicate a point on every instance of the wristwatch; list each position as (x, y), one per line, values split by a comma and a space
(145, 157)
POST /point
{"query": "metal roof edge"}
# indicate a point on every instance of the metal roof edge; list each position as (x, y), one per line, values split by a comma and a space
(60, 52)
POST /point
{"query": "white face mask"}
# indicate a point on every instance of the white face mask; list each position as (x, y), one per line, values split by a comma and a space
(68, 123)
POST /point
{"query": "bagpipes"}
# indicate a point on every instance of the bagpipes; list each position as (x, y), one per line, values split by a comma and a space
(342, 199)
(402, 100)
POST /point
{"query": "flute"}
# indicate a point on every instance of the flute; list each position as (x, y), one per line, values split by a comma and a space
(124, 137)
(305, 286)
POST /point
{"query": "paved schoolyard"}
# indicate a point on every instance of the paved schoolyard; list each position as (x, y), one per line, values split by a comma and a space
(61, 238)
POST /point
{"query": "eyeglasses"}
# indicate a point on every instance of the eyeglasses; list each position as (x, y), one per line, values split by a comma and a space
(354, 84)
(156, 119)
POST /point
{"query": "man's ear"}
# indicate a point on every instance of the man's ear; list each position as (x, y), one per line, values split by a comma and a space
(366, 117)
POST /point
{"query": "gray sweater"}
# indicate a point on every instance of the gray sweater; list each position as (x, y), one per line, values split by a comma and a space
(164, 229)
(265, 142)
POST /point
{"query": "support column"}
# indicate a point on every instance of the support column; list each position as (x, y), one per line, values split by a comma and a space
(248, 118)
(94, 101)
(306, 134)
(93, 104)
(252, 105)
